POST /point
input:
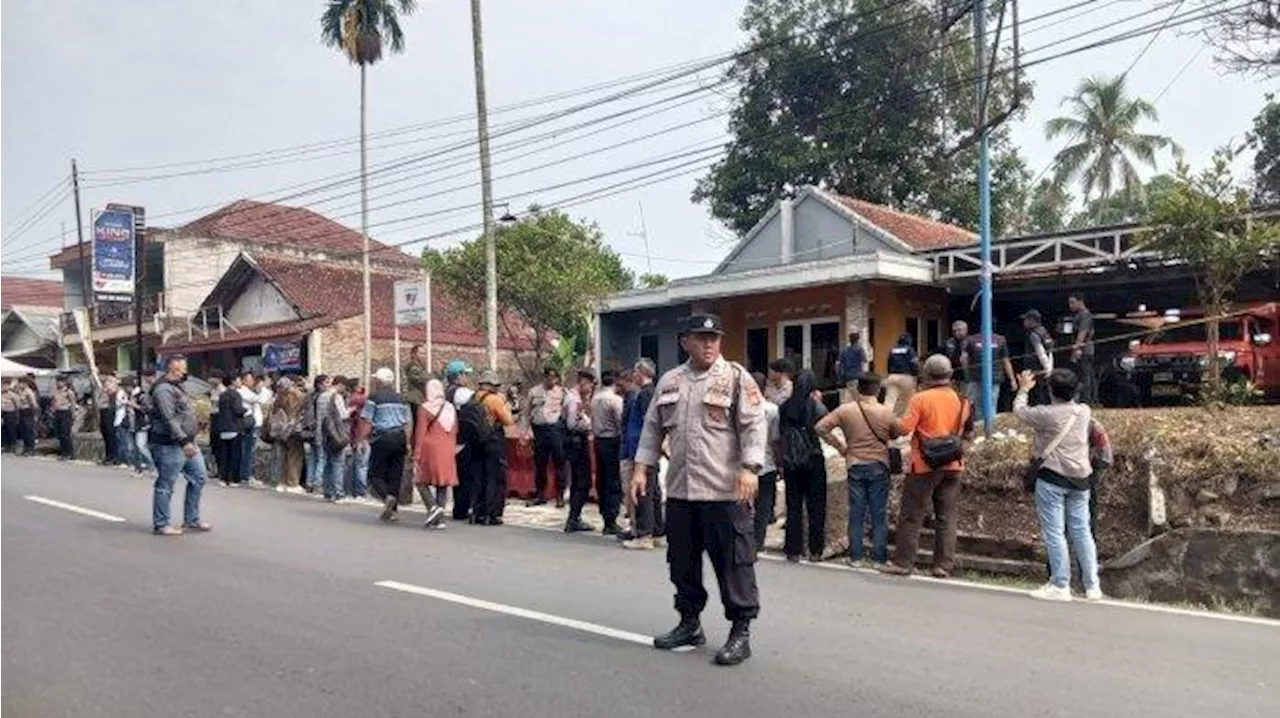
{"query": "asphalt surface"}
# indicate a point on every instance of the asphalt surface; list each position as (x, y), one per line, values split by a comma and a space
(277, 613)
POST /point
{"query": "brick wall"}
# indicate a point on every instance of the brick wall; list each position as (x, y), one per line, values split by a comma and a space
(341, 345)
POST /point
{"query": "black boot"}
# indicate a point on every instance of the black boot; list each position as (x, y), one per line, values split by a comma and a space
(738, 648)
(688, 633)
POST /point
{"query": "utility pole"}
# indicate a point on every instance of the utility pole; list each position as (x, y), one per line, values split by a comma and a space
(84, 268)
(139, 279)
(486, 192)
(364, 232)
(644, 235)
(984, 208)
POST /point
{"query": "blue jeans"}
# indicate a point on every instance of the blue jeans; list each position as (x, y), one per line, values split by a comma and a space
(143, 454)
(332, 470)
(248, 449)
(869, 491)
(1051, 500)
(357, 473)
(315, 464)
(170, 461)
(125, 449)
(975, 396)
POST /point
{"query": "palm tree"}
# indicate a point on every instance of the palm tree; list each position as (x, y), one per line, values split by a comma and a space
(360, 28)
(1102, 127)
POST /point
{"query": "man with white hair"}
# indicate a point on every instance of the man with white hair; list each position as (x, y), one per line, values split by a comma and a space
(386, 423)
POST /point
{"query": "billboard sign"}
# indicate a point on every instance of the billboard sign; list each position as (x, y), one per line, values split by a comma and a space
(282, 357)
(411, 302)
(114, 261)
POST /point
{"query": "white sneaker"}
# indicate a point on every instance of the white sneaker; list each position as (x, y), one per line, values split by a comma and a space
(1093, 594)
(644, 543)
(435, 518)
(1050, 592)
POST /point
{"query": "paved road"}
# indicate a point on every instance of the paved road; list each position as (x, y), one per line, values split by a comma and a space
(277, 613)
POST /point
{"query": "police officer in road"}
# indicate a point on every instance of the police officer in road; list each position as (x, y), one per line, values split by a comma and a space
(711, 412)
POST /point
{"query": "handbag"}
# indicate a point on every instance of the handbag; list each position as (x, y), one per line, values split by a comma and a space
(939, 451)
(1032, 472)
(895, 454)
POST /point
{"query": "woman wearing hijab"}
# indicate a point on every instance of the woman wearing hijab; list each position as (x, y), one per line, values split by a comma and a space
(434, 442)
(803, 469)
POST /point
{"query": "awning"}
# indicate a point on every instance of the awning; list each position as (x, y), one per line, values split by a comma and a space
(10, 369)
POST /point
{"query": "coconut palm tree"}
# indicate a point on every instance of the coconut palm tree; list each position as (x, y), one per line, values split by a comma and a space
(1102, 129)
(360, 29)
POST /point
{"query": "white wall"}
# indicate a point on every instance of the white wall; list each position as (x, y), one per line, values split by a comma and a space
(192, 267)
(260, 303)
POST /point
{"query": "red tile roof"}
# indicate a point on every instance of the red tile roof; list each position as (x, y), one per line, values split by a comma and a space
(920, 233)
(24, 291)
(251, 221)
(337, 293)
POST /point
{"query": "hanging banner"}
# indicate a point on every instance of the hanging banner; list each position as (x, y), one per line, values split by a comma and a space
(282, 357)
(411, 303)
(114, 263)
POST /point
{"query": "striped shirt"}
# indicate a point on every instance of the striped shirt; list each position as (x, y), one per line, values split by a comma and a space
(385, 410)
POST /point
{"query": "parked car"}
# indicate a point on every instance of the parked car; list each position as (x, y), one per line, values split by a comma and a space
(1168, 366)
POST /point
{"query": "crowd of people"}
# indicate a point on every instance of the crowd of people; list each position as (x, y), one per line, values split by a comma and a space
(446, 437)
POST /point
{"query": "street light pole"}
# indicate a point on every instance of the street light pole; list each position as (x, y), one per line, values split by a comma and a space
(486, 193)
(984, 211)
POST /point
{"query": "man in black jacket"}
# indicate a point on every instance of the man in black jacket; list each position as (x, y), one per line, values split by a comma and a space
(173, 446)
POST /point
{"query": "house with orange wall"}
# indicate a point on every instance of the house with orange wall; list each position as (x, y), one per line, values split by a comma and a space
(817, 266)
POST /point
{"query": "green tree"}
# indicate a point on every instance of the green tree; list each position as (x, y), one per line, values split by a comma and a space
(650, 280)
(360, 29)
(1265, 141)
(1125, 206)
(1205, 221)
(551, 270)
(866, 99)
(1104, 142)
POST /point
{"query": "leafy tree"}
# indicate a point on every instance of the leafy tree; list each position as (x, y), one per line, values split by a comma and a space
(1204, 221)
(1265, 140)
(551, 270)
(1102, 129)
(862, 98)
(1122, 207)
(650, 280)
(1246, 36)
(360, 29)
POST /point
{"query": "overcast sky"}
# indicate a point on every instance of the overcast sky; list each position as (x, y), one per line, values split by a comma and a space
(140, 83)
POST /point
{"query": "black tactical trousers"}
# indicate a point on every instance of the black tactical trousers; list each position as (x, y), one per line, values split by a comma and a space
(549, 445)
(609, 486)
(579, 451)
(724, 531)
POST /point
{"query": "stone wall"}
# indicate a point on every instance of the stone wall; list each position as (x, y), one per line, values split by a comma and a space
(1237, 570)
(342, 345)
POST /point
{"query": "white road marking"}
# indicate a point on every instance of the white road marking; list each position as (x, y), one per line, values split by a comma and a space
(483, 605)
(75, 509)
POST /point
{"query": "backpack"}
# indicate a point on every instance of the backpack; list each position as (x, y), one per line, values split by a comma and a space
(475, 428)
(798, 448)
(310, 417)
(280, 428)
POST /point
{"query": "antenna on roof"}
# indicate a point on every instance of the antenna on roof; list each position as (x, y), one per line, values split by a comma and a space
(644, 235)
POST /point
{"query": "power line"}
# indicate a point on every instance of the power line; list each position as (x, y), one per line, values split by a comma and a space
(1178, 74)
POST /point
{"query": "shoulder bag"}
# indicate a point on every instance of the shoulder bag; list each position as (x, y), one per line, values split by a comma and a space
(1032, 473)
(939, 451)
(895, 454)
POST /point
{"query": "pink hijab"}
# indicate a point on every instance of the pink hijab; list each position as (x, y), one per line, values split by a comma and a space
(439, 407)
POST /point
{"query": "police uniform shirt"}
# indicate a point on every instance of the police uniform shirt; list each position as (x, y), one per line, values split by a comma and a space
(546, 406)
(714, 423)
(606, 414)
(577, 418)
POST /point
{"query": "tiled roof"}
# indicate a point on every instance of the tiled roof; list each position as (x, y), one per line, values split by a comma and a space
(920, 233)
(30, 292)
(337, 292)
(251, 221)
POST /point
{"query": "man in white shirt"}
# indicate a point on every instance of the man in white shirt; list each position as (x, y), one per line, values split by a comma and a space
(252, 407)
(767, 496)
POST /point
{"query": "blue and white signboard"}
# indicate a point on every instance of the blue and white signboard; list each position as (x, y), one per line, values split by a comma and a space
(114, 262)
(282, 357)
